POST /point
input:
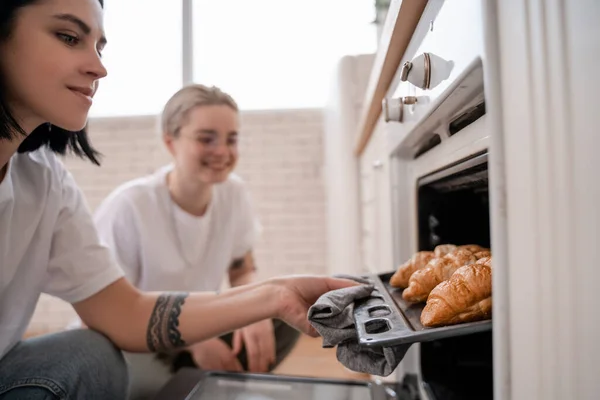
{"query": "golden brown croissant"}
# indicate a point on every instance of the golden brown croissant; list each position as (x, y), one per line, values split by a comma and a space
(473, 248)
(485, 261)
(443, 249)
(482, 254)
(465, 297)
(422, 282)
(418, 261)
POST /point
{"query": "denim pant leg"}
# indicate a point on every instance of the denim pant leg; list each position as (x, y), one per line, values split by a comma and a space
(77, 364)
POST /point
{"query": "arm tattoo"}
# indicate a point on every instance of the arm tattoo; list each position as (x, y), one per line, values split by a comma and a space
(163, 327)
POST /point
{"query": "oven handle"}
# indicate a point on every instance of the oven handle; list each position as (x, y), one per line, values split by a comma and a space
(460, 166)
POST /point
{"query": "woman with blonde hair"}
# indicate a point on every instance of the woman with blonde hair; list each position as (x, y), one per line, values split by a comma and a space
(186, 227)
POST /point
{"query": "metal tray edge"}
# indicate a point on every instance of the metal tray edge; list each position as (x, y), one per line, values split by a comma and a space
(401, 330)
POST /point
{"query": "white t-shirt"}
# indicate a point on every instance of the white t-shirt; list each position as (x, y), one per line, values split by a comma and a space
(48, 242)
(162, 247)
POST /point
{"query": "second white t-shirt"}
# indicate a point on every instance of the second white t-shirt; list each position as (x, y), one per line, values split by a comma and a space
(162, 247)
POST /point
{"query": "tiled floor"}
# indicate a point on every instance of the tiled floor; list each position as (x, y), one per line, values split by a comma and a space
(308, 358)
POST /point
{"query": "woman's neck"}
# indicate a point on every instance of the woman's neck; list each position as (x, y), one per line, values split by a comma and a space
(192, 197)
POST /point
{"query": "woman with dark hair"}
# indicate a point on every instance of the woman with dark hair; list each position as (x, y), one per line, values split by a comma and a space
(50, 65)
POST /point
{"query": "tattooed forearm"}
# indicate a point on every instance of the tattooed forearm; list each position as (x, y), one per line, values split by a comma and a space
(163, 328)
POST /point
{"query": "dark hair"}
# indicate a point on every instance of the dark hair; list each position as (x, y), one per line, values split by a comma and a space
(57, 139)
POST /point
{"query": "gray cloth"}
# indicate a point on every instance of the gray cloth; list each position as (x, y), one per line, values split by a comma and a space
(332, 317)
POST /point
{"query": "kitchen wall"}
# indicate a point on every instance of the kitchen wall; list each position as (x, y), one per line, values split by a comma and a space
(281, 161)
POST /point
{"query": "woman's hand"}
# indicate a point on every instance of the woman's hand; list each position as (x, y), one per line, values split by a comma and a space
(297, 293)
(215, 354)
(259, 342)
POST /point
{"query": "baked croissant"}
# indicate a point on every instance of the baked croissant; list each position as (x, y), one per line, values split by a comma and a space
(465, 297)
(473, 248)
(485, 261)
(482, 254)
(443, 249)
(418, 261)
(422, 282)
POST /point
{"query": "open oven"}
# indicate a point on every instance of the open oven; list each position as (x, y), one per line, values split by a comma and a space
(439, 145)
(512, 164)
(442, 197)
(450, 206)
(453, 207)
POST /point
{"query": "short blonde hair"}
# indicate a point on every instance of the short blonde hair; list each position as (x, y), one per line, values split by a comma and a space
(176, 110)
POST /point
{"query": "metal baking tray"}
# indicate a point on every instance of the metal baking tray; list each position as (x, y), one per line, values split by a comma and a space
(394, 321)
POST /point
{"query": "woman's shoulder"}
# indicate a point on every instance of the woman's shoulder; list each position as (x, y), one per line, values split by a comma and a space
(41, 158)
(135, 191)
(41, 165)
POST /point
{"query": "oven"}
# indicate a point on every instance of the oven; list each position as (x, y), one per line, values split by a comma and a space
(452, 206)
(439, 145)
(443, 196)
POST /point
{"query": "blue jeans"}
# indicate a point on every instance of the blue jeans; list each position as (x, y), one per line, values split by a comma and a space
(77, 364)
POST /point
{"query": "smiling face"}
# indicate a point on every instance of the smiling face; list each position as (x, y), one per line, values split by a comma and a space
(205, 147)
(51, 62)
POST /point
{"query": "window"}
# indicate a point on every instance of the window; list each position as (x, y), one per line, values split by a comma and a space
(266, 53)
(278, 53)
(143, 57)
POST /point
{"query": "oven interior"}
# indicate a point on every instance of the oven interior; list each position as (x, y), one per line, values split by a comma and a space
(453, 207)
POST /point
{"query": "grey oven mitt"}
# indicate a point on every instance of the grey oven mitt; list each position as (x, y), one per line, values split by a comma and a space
(332, 317)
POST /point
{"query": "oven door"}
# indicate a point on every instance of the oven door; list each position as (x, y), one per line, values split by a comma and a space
(453, 207)
(442, 196)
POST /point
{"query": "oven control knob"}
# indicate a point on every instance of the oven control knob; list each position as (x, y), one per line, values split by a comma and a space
(393, 109)
(426, 71)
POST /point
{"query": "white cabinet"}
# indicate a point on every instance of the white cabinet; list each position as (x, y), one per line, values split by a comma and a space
(375, 205)
(341, 169)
